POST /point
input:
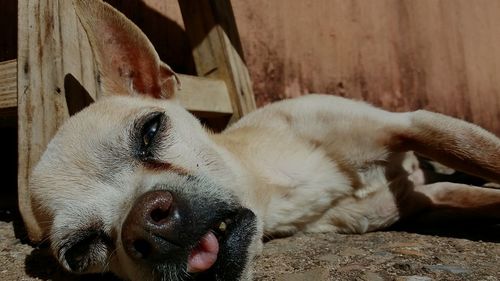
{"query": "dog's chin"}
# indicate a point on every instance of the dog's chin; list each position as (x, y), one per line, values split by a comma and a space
(221, 254)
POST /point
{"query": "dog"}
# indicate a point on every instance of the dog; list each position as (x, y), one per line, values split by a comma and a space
(135, 185)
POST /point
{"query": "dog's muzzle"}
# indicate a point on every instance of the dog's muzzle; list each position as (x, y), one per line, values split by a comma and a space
(204, 236)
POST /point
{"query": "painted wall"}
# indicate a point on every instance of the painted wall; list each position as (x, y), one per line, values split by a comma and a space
(401, 55)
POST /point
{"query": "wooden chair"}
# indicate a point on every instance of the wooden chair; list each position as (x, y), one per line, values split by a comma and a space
(54, 56)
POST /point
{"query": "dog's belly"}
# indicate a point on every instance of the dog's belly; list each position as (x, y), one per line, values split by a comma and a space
(316, 196)
(301, 193)
(303, 187)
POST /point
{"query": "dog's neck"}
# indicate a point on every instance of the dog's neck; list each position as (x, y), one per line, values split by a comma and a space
(244, 177)
(279, 176)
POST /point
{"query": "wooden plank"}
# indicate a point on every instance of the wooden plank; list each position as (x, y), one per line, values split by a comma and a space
(217, 51)
(8, 84)
(51, 45)
(197, 94)
(204, 95)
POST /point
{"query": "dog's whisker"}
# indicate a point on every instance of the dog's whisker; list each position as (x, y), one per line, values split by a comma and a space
(170, 274)
(110, 257)
(184, 273)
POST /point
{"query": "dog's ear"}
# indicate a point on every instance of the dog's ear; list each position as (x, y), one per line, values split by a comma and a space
(126, 59)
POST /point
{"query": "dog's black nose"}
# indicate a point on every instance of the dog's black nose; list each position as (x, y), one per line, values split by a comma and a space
(151, 230)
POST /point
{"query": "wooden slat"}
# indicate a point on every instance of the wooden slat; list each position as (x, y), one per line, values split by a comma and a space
(217, 51)
(8, 84)
(51, 45)
(197, 94)
(200, 94)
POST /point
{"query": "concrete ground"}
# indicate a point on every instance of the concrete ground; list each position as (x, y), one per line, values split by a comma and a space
(457, 252)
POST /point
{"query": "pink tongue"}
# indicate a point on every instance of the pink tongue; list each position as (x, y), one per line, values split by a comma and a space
(204, 255)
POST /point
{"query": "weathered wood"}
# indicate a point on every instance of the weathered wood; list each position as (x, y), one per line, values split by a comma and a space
(8, 84)
(217, 52)
(197, 94)
(51, 44)
(200, 94)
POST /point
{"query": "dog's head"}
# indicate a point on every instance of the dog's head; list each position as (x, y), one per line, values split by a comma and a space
(133, 184)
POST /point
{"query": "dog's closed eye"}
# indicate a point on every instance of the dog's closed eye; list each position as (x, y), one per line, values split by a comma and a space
(147, 131)
(150, 129)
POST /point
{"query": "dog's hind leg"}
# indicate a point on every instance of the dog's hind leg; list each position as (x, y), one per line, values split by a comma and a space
(461, 146)
(445, 199)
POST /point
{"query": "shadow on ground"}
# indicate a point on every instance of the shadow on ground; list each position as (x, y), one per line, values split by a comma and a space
(474, 230)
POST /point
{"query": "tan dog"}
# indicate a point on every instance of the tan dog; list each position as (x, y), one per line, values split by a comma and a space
(135, 185)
